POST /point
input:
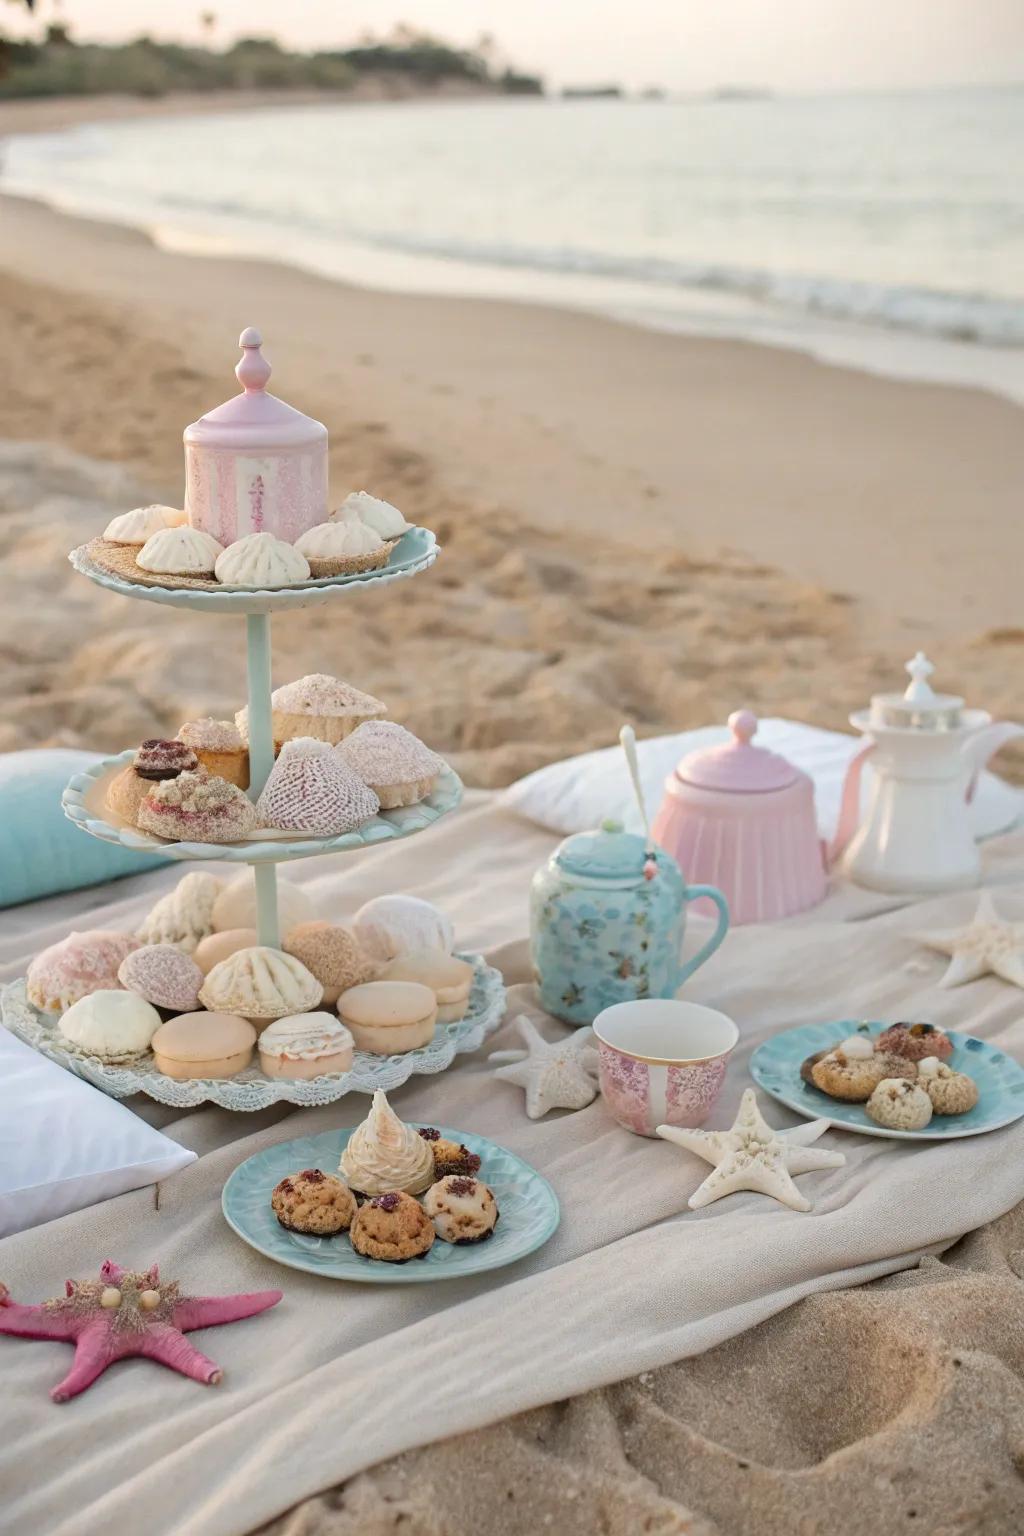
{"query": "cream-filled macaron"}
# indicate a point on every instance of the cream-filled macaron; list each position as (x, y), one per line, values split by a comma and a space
(448, 978)
(203, 1045)
(389, 1017)
(305, 1045)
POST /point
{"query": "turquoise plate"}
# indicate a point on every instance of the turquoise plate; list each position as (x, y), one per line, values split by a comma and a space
(775, 1067)
(527, 1205)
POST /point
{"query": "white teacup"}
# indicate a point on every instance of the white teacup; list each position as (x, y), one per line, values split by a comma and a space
(662, 1061)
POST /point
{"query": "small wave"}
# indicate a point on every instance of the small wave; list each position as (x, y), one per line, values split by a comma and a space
(929, 311)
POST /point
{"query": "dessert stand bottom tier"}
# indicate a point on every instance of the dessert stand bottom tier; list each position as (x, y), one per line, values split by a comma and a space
(252, 1089)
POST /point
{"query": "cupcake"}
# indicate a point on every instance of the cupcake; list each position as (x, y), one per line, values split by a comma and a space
(392, 761)
(319, 706)
(951, 1093)
(141, 523)
(899, 1105)
(82, 963)
(449, 979)
(342, 548)
(260, 984)
(314, 1203)
(181, 551)
(261, 560)
(203, 1045)
(153, 762)
(393, 1227)
(221, 946)
(389, 1018)
(235, 906)
(379, 515)
(385, 1154)
(450, 1157)
(311, 790)
(197, 808)
(184, 917)
(164, 976)
(218, 745)
(333, 955)
(115, 1027)
(389, 926)
(304, 1045)
(462, 1210)
(916, 1041)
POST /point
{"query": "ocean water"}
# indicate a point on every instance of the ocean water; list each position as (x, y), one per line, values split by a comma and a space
(884, 230)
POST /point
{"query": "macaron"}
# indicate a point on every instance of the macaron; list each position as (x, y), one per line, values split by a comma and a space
(448, 978)
(203, 1045)
(304, 1045)
(389, 1017)
(221, 946)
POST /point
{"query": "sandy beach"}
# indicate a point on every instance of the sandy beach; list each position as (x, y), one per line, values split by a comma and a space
(635, 526)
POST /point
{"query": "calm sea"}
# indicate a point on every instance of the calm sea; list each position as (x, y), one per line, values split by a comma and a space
(884, 230)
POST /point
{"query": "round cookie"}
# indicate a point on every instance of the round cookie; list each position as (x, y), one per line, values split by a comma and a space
(389, 1017)
(393, 1227)
(82, 963)
(115, 1027)
(164, 976)
(333, 955)
(201, 1045)
(854, 1078)
(951, 1093)
(448, 978)
(899, 1105)
(463, 1210)
(916, 1041)
(221, 946)
(313, 1202)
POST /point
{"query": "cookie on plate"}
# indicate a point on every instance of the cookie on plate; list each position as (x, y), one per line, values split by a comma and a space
(462, 1210)
(916, 1041)
(450, 1157)
(899, 1105)
(393, 1227)
(951, 1093)
(855, 1078)
(314, 1203)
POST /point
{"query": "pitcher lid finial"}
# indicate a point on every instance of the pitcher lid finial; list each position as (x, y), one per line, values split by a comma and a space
(919, 690)
(253, 370)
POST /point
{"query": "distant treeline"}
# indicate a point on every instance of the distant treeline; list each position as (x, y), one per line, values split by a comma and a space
(406, 62)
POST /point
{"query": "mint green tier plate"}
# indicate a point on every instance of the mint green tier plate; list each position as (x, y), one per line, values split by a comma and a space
(415, 551)
(775, 1067)
(267, 847)
(527, 1206)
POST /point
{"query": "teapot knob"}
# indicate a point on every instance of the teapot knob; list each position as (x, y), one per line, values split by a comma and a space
(743, 724)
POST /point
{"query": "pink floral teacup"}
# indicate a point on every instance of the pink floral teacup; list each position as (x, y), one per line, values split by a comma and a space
(662, 1061)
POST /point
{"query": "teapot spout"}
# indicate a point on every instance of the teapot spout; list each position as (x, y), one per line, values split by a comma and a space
(983, 744)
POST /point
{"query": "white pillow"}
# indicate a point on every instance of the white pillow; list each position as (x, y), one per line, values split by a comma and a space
(578, 793)
(65, 1145)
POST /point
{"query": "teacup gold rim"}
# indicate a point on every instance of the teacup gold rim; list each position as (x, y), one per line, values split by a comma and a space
(667, 1061)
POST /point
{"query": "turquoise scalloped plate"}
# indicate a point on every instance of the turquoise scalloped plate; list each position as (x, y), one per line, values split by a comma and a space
(775, 1067)
(527, 1205)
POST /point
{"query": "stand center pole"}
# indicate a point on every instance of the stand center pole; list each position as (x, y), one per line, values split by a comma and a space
(261, 760)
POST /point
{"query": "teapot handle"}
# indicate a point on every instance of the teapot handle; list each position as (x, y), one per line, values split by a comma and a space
(849, 805)
(708, 949)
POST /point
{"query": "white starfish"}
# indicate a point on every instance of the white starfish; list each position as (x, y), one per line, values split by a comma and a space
(750, 1155)
(558, 1074)
(989, 945)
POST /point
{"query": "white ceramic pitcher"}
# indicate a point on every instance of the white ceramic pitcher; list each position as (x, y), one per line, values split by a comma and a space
(926, 752)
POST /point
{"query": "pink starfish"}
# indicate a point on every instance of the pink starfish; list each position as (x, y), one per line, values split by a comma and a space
(127, 1313)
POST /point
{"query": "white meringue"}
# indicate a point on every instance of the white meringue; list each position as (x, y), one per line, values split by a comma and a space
(260, 560)
(180, 552)
(857, 1047)
(339, 540)
(379, 515)
(389, 926)
(383, 1154)
(141, 523)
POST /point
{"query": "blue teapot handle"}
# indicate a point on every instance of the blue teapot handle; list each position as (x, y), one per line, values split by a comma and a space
(691, 894)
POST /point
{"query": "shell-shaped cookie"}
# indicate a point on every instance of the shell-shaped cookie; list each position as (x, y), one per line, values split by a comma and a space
(260, 983)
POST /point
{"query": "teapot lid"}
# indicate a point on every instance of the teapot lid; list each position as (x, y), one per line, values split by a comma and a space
(254, 419)
(738, 767)
(919, 708)
(608, 853)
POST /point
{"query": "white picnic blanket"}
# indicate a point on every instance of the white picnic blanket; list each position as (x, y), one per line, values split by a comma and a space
(338, 1377)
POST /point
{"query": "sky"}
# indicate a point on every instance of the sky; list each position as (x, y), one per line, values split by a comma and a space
(799, 45)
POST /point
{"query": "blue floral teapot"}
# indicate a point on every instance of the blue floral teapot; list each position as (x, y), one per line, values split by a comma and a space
(607, 915)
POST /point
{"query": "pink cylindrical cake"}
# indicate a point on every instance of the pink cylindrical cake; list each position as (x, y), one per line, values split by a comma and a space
(255, 464)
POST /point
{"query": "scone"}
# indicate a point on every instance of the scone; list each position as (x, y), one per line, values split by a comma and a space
(899, 1105)
(951, 1093)
(463, 1210)
(389, 1017)
(854, 1079)
(314, 1203)
(393, 1227)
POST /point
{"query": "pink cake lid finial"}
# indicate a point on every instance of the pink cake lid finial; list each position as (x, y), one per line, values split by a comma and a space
(253, 370)
(738, 766)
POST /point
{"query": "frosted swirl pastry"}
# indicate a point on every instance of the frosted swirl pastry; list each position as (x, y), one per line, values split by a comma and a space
(260, 560)
(311, 790)
(260, 983)
(384, 1154)
(141, 523)
(342, 548)
(304, 1045)
(392, 761)
(185, 915)
(317, 705)
(379, 515)
(179, 552)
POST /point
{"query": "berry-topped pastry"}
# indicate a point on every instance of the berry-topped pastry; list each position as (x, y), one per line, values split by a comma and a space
(313, 1202)
(916, 1041)
(393, 1227)
(462, 1210)
(153, 762)
(449, 1156)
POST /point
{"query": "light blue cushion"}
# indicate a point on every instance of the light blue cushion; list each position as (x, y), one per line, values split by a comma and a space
(41, 852)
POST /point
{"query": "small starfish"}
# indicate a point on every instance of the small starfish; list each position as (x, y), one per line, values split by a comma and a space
(989, 945)
(750, 1155)
(558, 1074)
(127, 1313)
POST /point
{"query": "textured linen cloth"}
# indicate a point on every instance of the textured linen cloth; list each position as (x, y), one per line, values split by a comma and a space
(339, 1376)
